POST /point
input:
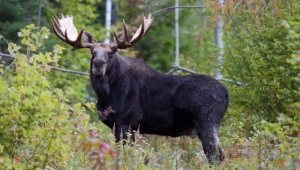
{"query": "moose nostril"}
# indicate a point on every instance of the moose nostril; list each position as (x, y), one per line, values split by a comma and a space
(98, 62)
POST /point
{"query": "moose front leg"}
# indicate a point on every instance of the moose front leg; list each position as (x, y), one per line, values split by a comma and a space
(122, 131)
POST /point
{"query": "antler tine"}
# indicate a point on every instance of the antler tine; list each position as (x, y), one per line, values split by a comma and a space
(62, 16)
(136, 37)
(54, 25)
(142, 30)
(66, 26)
(124, 43)
(77, 43)
(149, 21)
(126, 39)
(116, 38)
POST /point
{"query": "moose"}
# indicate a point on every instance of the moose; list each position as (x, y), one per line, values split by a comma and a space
(134, 97)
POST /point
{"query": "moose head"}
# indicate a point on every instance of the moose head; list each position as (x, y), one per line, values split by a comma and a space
(102, 54)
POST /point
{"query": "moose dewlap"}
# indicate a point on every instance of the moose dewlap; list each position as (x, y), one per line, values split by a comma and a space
(131, 95)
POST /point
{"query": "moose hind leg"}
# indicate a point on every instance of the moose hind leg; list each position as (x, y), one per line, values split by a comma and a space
(208, 134)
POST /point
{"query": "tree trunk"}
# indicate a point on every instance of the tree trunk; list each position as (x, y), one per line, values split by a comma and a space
(219, 42)
(39, 14)
(108, 20)
(176, 34)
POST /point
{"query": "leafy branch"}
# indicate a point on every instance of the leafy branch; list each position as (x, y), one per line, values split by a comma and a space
(51, 67)
(173, 7)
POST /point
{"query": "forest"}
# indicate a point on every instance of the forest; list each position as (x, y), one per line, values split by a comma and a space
(48, 114)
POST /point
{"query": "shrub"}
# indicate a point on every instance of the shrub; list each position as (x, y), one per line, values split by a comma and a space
(39, 128)
(260, 45)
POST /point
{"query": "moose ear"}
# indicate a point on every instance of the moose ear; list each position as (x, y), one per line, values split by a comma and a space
(88, 38)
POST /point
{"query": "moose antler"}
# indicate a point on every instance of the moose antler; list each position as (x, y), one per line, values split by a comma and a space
(142, 30)
(68, 32)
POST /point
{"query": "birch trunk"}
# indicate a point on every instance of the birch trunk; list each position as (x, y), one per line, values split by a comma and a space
(219, 42)
(108, 20)
(176, 34)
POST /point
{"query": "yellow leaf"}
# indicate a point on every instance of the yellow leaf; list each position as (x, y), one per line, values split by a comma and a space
(47, 68)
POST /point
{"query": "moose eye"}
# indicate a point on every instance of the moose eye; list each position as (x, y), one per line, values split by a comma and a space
(110, 54)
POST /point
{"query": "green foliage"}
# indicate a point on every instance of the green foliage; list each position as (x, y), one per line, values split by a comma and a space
(13, 13)
(261, 44)
(257, 55)
(39, 127)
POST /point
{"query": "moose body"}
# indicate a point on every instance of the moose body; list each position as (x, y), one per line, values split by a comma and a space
(132, 96)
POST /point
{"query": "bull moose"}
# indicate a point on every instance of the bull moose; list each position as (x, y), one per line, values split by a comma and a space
(132, 96)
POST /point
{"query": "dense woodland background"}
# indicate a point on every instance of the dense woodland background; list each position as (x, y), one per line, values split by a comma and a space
(48, 118)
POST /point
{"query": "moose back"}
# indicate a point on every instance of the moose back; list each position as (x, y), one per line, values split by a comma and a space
(131, 95)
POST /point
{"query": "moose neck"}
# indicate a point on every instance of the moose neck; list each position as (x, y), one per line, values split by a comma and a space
(116, 70)
(114, 73)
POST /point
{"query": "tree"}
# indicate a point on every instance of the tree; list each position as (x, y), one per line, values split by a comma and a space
(257, 55)
(15, 14)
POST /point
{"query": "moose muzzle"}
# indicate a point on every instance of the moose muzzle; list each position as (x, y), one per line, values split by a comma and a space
(99, 67)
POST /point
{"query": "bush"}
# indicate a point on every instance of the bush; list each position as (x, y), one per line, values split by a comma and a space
(260, 45)
(256, 54)
(39, 128)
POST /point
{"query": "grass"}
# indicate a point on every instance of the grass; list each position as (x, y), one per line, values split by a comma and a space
(184, 153)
